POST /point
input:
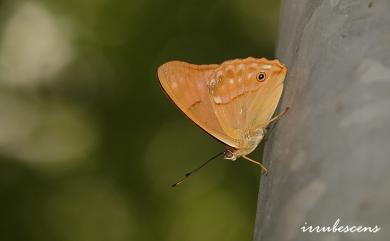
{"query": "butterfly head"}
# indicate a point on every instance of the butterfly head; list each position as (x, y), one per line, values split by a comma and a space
(229, 154)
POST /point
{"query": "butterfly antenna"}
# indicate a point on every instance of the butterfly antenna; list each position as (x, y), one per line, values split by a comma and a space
(196, 169)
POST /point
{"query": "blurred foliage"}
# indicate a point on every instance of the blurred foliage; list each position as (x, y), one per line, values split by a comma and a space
(89, 144)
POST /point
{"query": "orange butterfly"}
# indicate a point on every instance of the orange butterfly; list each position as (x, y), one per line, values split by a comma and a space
(234, 101)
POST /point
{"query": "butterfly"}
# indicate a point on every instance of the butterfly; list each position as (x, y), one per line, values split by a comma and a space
(234, 101)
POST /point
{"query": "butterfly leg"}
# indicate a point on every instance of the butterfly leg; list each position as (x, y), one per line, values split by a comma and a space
(270, 129)
(265, 170)
(278, 116)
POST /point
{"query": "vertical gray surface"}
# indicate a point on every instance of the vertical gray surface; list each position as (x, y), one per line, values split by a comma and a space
(330, 155)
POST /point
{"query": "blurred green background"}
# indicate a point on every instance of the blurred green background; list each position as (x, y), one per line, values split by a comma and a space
(89, 144)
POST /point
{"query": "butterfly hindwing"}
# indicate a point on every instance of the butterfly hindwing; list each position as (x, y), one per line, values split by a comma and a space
(242, 101)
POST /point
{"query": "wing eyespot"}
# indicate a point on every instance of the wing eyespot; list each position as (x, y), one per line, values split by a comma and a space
(261, 76)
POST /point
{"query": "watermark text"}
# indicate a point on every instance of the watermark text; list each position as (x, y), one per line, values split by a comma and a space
(337, 228)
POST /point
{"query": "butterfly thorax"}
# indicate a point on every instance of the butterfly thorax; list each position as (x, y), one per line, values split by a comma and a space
(250, 139)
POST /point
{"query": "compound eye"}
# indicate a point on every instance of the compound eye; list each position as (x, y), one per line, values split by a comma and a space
(261, 76)
(229, 155)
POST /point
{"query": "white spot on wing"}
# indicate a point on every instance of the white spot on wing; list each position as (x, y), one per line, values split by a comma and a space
(229, 67)
(212, 83)
(217, 100)
(266, 66)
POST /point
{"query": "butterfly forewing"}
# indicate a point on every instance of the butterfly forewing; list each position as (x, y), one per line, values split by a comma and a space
(187, 86)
